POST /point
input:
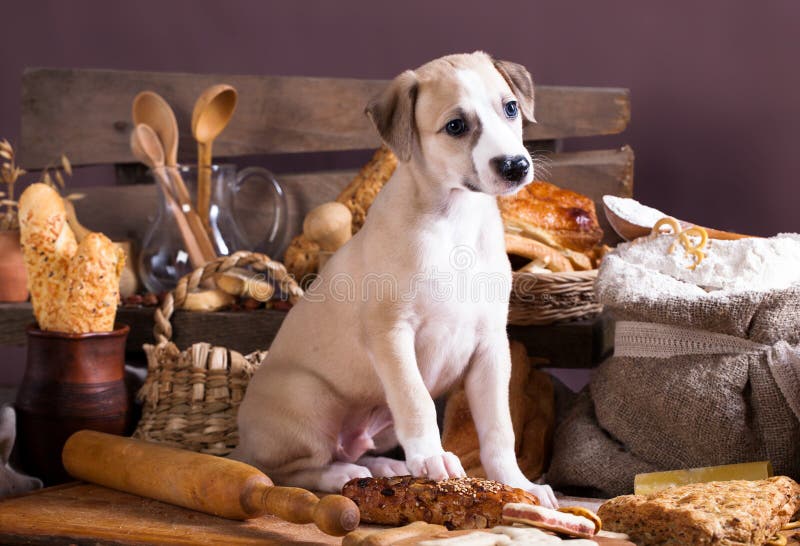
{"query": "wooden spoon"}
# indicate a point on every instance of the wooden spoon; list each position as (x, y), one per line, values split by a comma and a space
(146, 147)
(630, 229)
(212, 112)
(151, 109)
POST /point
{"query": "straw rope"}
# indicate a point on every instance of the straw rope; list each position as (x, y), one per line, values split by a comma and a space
(191, 397)
(261, 263)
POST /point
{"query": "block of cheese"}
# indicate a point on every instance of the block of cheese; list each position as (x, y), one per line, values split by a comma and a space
(646, 484)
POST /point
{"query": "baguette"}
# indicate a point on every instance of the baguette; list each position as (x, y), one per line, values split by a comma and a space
(458, 503)
(74, 288)
(534, 250)
(92, 291)
(48, 244)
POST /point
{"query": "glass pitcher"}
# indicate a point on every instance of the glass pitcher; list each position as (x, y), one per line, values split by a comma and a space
(247, 211)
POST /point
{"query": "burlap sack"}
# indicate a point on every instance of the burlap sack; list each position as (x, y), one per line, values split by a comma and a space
(649, 414)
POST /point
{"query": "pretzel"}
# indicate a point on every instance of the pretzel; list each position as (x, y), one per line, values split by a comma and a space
(684, 237)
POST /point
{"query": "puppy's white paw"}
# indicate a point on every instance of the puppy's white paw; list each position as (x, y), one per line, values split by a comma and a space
(333, 477)
(544, 493)
(437, 467)
(384, 467)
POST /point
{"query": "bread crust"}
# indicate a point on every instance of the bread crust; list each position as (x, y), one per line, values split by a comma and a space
(730, 513)
(458, 503)
(557, 217)
(362, 190)
(302, 256)
(74, 288)
(536, 251)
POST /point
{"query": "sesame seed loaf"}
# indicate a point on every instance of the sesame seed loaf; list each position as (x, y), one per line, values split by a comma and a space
(458, 503)
(729, 513)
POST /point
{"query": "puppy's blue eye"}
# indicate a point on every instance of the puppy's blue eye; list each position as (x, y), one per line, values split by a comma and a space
(455, 127)
(511, 109)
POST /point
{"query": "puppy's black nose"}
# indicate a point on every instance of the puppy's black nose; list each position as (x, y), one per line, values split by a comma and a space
(512, 168)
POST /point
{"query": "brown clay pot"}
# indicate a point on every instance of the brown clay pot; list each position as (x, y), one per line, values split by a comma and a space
(13, 279)
(71, 382)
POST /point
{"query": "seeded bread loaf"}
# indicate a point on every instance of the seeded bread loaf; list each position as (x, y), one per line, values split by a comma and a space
(729, 513)
(74, 287)
(302, 256)
(458, 503)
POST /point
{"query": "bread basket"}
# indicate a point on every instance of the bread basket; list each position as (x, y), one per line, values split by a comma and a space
(545, 298)
(190, 398)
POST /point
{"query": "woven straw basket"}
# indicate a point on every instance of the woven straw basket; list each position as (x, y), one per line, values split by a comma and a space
(546, 298)
(191, 397)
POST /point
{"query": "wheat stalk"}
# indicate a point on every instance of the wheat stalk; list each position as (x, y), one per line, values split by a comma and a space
(10, 173)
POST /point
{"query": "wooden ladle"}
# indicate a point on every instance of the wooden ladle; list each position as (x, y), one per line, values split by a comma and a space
(212, 112)
(636, 222)
(146, 147)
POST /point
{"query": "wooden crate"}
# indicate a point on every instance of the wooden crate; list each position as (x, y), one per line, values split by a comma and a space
(86, 114)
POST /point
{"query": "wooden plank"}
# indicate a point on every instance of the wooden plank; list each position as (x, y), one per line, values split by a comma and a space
(244, 331)
(83, 514)
(578, 344)
(594, 174)
(88, 514)
(127, 211)
(86, 113)
(124, 212)
(14, 318)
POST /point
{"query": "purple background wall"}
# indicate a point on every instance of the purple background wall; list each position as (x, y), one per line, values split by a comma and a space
(714, 84)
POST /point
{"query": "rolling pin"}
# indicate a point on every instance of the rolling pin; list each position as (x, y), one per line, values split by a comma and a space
(214, 485)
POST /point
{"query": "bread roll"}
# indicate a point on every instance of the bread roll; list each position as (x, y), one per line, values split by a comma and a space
(302, 256)
(93, 286)
(362, 190)
(557, 217)
(534, 250)
(74, 288)
(48, 245)
(532, 406)
(456, 503)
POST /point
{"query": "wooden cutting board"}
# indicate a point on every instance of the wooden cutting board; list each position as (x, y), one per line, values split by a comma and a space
(79, 513)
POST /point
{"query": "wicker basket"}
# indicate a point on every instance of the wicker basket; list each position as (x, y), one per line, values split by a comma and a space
(191, 397)
(546, 298)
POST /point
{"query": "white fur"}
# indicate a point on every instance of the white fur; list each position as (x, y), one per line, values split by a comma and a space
(395, 319)
(498, 137)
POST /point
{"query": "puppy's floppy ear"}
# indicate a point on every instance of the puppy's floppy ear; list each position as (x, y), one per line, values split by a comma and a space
(521, 84)
(392, 112)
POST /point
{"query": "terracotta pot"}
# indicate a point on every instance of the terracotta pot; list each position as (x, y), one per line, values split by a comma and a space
(13, 280)
(71, 382)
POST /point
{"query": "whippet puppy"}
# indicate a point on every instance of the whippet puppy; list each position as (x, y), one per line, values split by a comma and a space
(415, 302)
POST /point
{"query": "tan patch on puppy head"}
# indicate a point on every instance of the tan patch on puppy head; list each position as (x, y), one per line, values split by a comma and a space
(392, 112)
(519, 79)
(412, 116)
